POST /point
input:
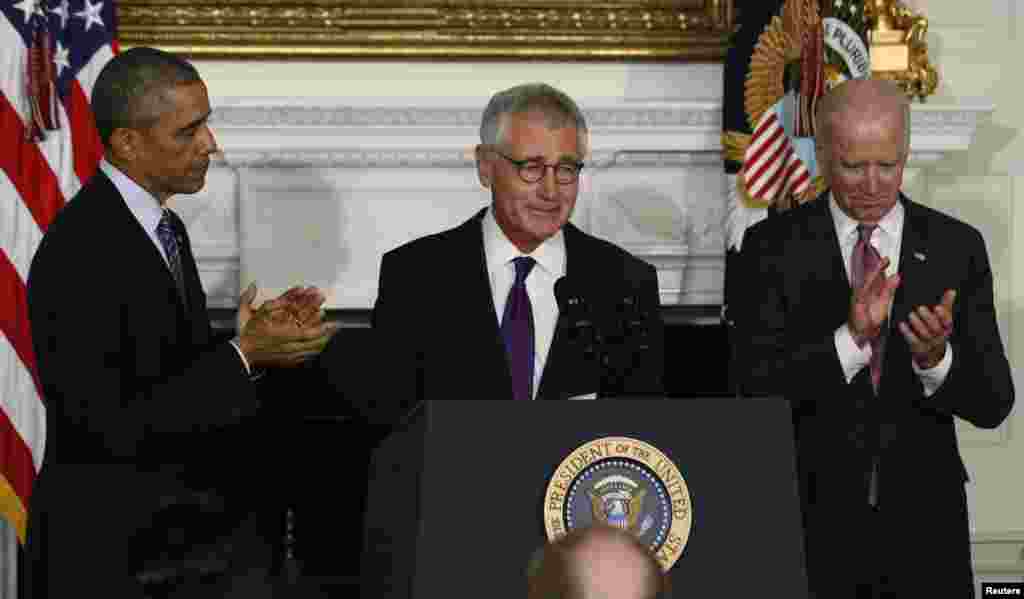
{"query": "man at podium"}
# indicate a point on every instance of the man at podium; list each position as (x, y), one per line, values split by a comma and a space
(515, 303)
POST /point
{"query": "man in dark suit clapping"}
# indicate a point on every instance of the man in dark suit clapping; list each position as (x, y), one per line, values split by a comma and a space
(874, 316)
(137, 389)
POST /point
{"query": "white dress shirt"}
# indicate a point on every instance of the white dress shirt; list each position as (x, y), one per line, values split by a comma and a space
(887, 239)
(146, 209)
(540, 284)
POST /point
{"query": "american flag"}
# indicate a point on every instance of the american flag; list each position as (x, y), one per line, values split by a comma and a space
(51, 52)
(771, 168)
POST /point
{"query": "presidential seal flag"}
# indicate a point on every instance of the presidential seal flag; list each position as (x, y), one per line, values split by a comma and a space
(783, 58)
(53, 51)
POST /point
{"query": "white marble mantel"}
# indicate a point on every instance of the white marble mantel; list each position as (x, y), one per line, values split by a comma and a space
(314, 191)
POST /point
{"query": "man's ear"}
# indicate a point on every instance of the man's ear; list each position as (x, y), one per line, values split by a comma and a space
(484, 167)
(124, 144)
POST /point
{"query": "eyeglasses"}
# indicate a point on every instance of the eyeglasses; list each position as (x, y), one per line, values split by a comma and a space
(532, 171)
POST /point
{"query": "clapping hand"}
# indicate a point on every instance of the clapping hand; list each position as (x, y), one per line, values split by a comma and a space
(284, 331)
(869, 306)
(928, 329)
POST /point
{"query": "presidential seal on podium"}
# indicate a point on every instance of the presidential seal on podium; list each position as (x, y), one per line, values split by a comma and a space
(624, 483)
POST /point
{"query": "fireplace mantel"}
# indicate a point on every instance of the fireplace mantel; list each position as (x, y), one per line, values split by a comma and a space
(314, 191)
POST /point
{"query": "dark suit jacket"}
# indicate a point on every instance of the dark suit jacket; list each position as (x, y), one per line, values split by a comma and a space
(437, 334)
(132, 384)
(797, 295)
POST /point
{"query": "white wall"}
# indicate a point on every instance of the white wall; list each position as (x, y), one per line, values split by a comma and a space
(973, 42)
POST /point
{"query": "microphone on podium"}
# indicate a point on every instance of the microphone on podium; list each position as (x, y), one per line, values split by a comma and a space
(613, 334)
(576, 312)
(576, 317)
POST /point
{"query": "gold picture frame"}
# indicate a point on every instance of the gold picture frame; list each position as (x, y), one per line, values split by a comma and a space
(611, 30)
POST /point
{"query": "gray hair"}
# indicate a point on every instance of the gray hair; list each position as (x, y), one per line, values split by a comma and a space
(129, 91)
(558, 110)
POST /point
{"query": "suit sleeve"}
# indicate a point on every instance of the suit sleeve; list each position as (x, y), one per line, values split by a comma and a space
(772, 353)
(88, 364)
(979, 386)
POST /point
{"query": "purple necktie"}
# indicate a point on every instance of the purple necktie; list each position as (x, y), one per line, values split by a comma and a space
(517, 331)
(165, 231)
(865, 259)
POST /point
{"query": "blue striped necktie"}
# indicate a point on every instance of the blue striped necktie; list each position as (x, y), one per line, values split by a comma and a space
(168, 239)
(517, 331)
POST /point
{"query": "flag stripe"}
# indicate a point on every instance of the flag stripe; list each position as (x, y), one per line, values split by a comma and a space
(56, 150)
(17, 417)
(760, 145)
(14, 326)
(28, 170)
(772, 182)
(14, 313)
(88, 147)
(84, 137)
(771, 165)
(768, 119)
(753, 168)
(796, 177)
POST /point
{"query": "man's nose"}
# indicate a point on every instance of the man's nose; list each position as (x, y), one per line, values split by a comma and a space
(209, 140)
(548, 183)
(874, 181)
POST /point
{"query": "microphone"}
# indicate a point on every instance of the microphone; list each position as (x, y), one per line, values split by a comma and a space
(573, 307)
(628, 340)
(576, 318)
(635, 317)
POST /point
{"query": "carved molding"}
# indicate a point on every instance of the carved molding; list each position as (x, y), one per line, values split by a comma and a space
(259, 132)
(449, 29)
(442, 157)
(998, 553)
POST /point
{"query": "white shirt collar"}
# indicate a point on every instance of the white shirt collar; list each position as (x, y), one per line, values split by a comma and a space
(499, 251)
(846, 228)
(143, 205)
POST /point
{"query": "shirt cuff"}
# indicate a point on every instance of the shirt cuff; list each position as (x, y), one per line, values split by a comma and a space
(238, 348)
(851, 357)
(932, 378)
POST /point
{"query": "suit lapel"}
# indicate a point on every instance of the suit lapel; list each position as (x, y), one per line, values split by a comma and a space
(558, 369)
(914, 286)
(913, 263)
(825, 263)
(142, 252)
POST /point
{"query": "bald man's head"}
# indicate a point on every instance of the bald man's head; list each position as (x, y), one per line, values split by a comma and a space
(863, 100)
(597, 563)
(863, 138)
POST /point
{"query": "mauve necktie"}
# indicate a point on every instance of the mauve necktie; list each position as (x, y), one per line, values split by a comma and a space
(169, 240)
(517, 331)
(865, 258)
